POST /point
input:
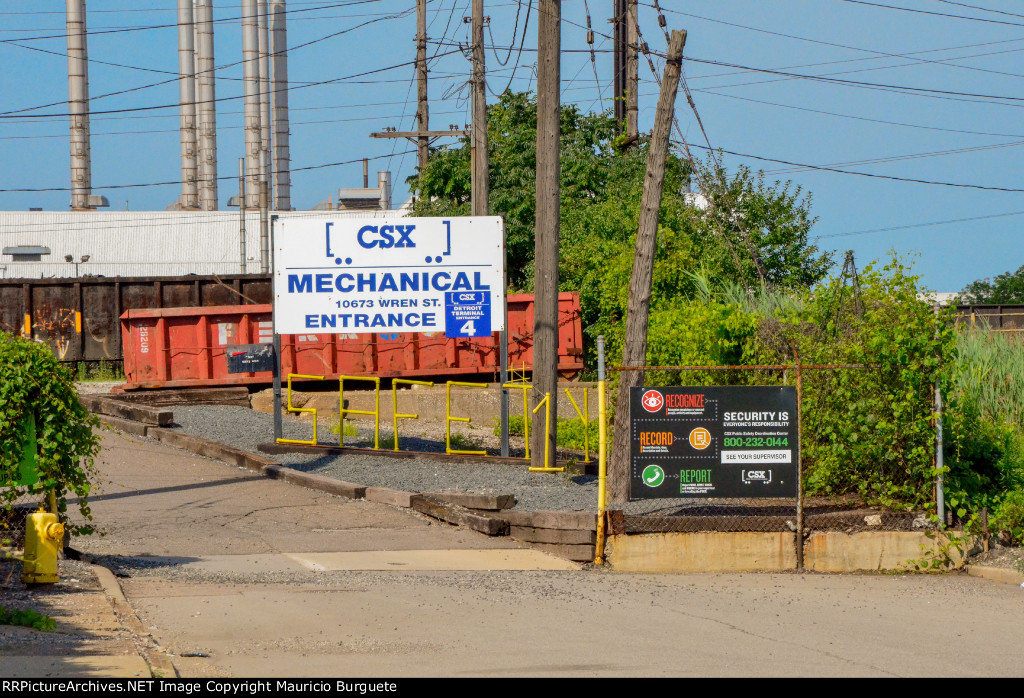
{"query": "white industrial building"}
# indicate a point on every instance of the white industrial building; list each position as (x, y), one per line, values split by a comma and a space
(46, 244)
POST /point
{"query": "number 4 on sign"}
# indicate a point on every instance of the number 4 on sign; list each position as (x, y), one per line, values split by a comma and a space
(468, 329)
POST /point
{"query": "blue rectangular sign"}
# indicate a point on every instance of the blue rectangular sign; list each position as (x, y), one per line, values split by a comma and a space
(467, 314)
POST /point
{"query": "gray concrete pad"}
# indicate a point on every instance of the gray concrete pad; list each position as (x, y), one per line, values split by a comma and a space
(432, 560)
(217, 583)
(571, 624)
(155, 500)
(84, 667)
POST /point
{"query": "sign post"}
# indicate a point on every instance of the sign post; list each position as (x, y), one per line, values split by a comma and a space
(713, 442)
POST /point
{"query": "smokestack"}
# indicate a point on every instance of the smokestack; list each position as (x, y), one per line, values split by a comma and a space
(187, 105)
(264, 48)
(251, 76)
(384, 183)
(279, 81)
(78, 106)
(207, 105)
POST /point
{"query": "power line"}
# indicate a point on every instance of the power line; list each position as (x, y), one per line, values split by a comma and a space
(859, 118)
(150, 27)
(375, 117)
(921, 225)
(879, 54)
(176, 77)
(936, 14)
(904, 89)
(983, 9)
(178, 182)
(8, 115)
(900, 158)
(826, 168)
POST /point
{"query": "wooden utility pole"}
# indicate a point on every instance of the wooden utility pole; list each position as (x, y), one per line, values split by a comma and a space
(635, 346)
(479, 185)
(545, 308)
(619, 59)
(422, 110)
(632, 73)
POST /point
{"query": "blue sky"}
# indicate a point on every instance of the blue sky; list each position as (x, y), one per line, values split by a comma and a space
(944, 104)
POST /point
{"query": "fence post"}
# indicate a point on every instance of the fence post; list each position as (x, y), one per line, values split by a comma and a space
(940, 499)
(799, 463)
(602, 453)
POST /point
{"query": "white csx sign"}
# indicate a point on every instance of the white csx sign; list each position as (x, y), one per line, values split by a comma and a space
(381, 275)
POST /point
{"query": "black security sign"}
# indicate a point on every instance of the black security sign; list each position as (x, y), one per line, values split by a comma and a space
(713, 442)
(250, 358)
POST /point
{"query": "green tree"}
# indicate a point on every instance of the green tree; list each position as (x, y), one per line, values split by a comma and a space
(586, 149)
(1005, 288)
(602, 187)
(33, 381)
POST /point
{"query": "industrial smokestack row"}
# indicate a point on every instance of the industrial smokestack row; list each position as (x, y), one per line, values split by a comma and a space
(206, 106)
(78, 106)
(279, 85)
(251, 90)
(189, 200)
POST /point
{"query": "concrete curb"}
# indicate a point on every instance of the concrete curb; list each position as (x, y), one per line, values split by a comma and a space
(153, 654)
(996, 574)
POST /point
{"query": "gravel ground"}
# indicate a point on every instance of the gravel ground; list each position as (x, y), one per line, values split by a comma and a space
(1001, 556)
(96, 387)
(245, 429)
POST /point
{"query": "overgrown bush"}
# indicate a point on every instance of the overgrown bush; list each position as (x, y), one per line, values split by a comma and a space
(33, 381)
(869, 430)
(1009, 515)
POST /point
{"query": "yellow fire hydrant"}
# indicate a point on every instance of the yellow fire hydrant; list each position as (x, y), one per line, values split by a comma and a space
(43, 538)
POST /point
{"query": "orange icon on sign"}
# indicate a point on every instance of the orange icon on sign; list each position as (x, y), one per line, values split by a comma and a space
(700, 438)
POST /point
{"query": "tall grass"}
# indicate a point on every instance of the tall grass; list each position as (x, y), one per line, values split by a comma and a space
(762, 301)
(989, 374)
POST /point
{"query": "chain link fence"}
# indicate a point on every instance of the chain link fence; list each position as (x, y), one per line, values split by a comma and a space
(12, 518)
(802, 514)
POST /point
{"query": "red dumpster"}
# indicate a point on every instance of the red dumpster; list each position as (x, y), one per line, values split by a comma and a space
(187, 347)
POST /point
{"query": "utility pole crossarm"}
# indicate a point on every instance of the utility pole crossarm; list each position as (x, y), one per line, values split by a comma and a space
(418, 134)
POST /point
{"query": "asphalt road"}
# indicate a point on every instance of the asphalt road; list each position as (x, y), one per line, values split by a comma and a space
(221, 563)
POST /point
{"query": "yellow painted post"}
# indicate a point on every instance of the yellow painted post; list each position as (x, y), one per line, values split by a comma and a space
(394, 405)
(342, 411)
(292, 408)
(525, 387)
(448, 419)
(546, 402)
(585, 417)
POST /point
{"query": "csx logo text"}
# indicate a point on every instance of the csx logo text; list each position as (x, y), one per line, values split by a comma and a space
(370, 236)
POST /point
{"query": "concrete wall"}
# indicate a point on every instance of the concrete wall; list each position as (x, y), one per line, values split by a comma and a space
(869, 551)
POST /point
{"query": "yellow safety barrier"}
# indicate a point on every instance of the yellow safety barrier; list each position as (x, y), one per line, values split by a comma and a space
(449, 419)
(525, 387)
(546, 402)
(585, 416)
(342, 411)
(292, 408)
(394, 405)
